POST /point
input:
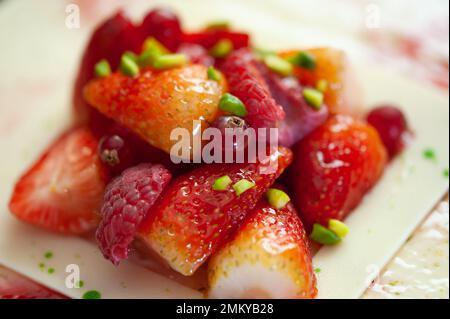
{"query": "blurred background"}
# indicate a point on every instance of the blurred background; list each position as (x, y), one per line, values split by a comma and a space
(41, 49)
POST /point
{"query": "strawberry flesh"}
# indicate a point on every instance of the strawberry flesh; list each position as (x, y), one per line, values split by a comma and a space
(14, 286)
(63, 190)
(191, 220)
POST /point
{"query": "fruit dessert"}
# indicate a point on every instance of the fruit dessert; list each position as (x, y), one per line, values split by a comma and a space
(245, 227)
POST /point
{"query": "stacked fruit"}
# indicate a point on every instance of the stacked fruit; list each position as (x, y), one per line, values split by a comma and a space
(112, 173)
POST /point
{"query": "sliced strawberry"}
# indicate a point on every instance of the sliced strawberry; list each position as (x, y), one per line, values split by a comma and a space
(63, 190)
(268, 258)
(164, 25)
(246, 82)
(109, 41)
(343, 93)
(192, 220)
(14, 286)
(334, 168)
(154, 103)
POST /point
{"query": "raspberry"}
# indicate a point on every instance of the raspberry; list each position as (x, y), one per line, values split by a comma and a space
(246, 82)
(127, 200)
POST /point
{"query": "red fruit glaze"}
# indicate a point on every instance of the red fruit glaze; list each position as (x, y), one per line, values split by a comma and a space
(191, 220)
(334, 168)
(164, 25)
(14, 286)
(392, 126)
(109, 41)
(127, 201)
(63, 190)
(246, 82)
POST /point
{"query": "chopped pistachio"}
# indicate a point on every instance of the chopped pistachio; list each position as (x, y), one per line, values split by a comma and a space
(128, 66)
(242, 186)
(313, 97)
(304, 60)
(222, 48)
(102, 69)
(233, 105)
(214, 74)
(170, 61)
(277, 198)
(338, 227)
(222, 183)
(278, 65)
(324, 236)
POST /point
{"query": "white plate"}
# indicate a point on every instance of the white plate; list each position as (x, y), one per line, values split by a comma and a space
(35, 108)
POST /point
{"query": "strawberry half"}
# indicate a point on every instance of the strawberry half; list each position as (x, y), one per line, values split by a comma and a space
(191, 220)
(268, 258)
(155, 103)
(63, 190)
(334, 168)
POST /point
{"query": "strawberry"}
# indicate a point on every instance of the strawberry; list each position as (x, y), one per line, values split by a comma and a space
(63, 190)
(191, 219)
(334, 168)
(268, 258)
(14, 286)
(154, 103)
(342, 95)
(115, 36)
(164, 25)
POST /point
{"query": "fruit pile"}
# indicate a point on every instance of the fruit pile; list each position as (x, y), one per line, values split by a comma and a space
(251, 224)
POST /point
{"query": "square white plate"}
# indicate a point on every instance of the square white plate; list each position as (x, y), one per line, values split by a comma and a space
(35, 92)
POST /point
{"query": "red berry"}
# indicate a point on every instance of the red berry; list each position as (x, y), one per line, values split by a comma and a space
(164, 25)
(127, 201)
(392, 126)
(231, 122)
(115, 152)
(334, 167)
(246, 82)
